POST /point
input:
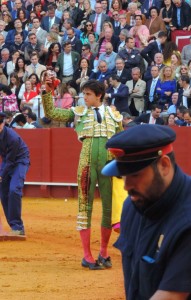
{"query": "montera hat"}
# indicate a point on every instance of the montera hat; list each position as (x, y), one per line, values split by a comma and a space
(137, 147)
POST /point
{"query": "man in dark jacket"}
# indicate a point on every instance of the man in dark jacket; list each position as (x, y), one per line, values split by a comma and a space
(14, 166)
(155, 236)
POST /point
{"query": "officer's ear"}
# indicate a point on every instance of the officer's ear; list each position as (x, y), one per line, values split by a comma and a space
(165, 165)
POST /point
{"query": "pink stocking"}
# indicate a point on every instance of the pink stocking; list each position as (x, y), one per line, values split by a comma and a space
(105, 236)
(85, 238)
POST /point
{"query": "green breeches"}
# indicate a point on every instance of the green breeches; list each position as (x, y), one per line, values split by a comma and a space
(92, 159)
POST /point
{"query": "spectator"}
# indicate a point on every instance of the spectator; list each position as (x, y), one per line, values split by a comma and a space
(81, 75)
(38, 9)
(40, 33)
(150, 93)
(22, 15)
(103, 72)
(186, 53)
(10, 38)
(20, 69)
(155, 24)
(9, 25)
(20, 121)
(93, 44)
(35, 67)
(115, 22)
(151, 118)
(127, 120)
(168, 50)
(67, 62)
(64, 98)
(10, 66)
(98, 18)
(121, 71)
(181, 15)
(124, 33)
(5, 57)
(166, 14)
(52, 56)
(131, 56)
(137, 89)
(109, 56)
(185, 91)
(171, 120)
(3, 78)
(123, 22)
(166, 86)
(176, 63)
(117, 94)
(140, 32)
(8, 100)
(2, 29)
(158, 62)
(75, 13)
(32, 120)
(116, 6)
(88, 11)
(29, 95)
(88, 28)
(75, 42)
(130, 16)
(17, 8)
(173, 107)
(86, 53)
(32, 46)
(50, 19)
(52, 37)
(187, 118)
(149, 52)
(68, 24)
(2, 42)
(147, 5)
(18, 44)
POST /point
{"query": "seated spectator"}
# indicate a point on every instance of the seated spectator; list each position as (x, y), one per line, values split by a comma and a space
(88, 28)
(127, 120)
(36, 83)
(171, 120)
(93, 44)
(8, 100)
(28, 95)
(151, 118)
(75, 13)
(40, 33)
(185, 91)
(166, 86)
(2, 42)
(75, 42)
(158, 62)
(179, 120)
(17, 7)
(106, 24)
(124, 33)
(18, 44)
(10, 38)
(173, 107)
(182, 71)
(20, 69)
(98, 18)
(10, 66)
(2, 29)
(147, 4)
(88, 11)
(5, 57)
(35, 67)
(181, 15)
(32, 46)
(32, 120)
(155, 24)
(64, 99)
(123, 22)
(14, 84)
(9, 24)
(108, 37)
(117, 94)
(187, 118)
(29, 25)
(176, 63)
(166, 14)
(103, 72)
(130, 16)
(38, 9)
(68, 24)
(115, 22)
(131, 56)
(52, 56)
(48, 20)
(116, 6)
(22, 16)
(186, 53)
(20, 121)
(149, 51)
(81, 75)
(120, 70)
(109, 56)
(51, 38)
(137, 89)
(140, 32)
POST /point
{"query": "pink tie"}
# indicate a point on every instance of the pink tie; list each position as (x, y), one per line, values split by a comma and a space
(95, 22)
(152, 120)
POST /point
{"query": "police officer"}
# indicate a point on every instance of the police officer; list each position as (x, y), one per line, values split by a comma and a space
(155, 237)
(14, 166)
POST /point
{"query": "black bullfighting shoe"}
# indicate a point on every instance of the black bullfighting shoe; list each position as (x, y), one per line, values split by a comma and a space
(92, 266)
(106, 262)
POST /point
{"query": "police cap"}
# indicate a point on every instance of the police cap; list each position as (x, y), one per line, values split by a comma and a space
(137, 147)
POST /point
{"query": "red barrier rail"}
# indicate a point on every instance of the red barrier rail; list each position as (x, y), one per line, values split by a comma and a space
(55, 153)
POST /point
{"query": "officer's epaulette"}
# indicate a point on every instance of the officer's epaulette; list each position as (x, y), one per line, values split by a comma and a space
(79, 110)
(115, 114)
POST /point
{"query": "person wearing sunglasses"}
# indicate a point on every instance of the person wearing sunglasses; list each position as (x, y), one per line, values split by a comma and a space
(88, 28)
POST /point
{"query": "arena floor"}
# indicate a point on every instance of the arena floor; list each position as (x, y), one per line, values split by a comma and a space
(47, 264)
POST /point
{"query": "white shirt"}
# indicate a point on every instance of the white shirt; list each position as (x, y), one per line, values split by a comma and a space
(68, 66)
(101, 111)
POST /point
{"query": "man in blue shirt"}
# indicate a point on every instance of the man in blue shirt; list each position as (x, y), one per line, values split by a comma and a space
(14, 166)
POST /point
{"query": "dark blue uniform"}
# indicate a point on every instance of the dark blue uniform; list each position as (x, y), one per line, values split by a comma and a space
(156, 243)
(15, 163)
